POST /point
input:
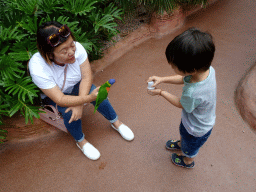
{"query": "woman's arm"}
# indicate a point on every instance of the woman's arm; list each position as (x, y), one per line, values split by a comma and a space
(86, 81)
(62, 100)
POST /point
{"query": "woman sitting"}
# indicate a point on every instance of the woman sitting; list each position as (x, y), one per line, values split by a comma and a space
(62, 71)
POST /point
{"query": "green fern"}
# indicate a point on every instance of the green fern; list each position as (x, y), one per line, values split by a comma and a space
(9, 69)
(29, 24)
(159, 6)
(27, 6)
(49, 6)
(3, 105)
(10, 16)
(23, 87)
(23, 50)
(61, 19)
(104, 23)
(65, 20)
(82, 38)
(112, 10)
(191, 2)
(4, 49)
(26, 110)
(8, 34)
(3, 134)
(79, 7)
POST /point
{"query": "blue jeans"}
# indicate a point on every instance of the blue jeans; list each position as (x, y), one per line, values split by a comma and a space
(75, 127)
(190, 144)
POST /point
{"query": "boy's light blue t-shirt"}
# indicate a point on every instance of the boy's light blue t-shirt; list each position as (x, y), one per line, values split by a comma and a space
(199, 104)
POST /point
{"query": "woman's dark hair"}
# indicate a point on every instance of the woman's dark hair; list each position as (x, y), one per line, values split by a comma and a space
(43, 32)
(191, 51)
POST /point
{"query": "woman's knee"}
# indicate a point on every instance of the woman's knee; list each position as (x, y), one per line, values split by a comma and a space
(64, 114)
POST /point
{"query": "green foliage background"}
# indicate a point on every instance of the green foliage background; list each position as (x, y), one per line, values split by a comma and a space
(91, 21)
(157, 6)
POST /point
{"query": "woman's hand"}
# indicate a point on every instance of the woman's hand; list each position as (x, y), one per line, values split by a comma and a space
(154, 92)
(157, 80)
(77, 112)
(94, 93)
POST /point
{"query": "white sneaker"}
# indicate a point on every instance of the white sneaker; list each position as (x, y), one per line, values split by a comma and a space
(125, 132)
(90, 151)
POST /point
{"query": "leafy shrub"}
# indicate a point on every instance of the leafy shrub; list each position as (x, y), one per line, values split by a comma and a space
(91, 21)
(158, 6)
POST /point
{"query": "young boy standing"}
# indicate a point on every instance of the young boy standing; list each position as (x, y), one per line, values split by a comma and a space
(190, 55)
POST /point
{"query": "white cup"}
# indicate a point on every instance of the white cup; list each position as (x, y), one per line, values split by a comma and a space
(150, 83)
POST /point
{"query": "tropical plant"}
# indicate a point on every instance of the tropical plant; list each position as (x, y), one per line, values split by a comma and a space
(91, 21)
(191, 2)
(157, 6)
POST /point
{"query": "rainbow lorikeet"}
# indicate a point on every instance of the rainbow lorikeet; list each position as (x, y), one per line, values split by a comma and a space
(103, 93)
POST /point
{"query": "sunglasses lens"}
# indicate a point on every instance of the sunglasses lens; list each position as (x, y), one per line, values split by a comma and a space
(54, 39)
(64, 31)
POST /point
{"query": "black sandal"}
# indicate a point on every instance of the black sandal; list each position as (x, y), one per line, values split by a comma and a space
(178, 160)
(172, 145)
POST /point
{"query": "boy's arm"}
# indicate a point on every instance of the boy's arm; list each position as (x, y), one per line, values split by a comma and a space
(171, 98)
(175, 79)
(174, 100)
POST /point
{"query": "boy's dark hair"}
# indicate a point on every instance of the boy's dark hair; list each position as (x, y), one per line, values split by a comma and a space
(43, 32)
(191, 51)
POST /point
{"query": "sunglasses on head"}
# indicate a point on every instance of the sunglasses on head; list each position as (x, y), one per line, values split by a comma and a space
(54, 39)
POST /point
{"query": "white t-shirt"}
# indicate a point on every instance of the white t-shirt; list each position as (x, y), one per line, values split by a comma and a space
(47, 76)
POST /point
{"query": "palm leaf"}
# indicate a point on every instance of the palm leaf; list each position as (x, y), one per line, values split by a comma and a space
(27, 6)
(87, 45)
(23, 87)
(10, 33)
(105, 22)
(49, 6)
(128, 6)
(82, 38)
(113, 11)
(4, 49)
(79, 7)
(4, 106)
(23, 51)
(61, 19)
(9, 69)
(64, 20)
(29, 24)
(26, 110)
(3, 133)
(10, 16)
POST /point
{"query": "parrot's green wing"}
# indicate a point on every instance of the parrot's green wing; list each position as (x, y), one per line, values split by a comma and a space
(102, 95)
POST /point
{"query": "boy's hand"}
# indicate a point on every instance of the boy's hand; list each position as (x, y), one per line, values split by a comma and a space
(154, 92)
(157, 80)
